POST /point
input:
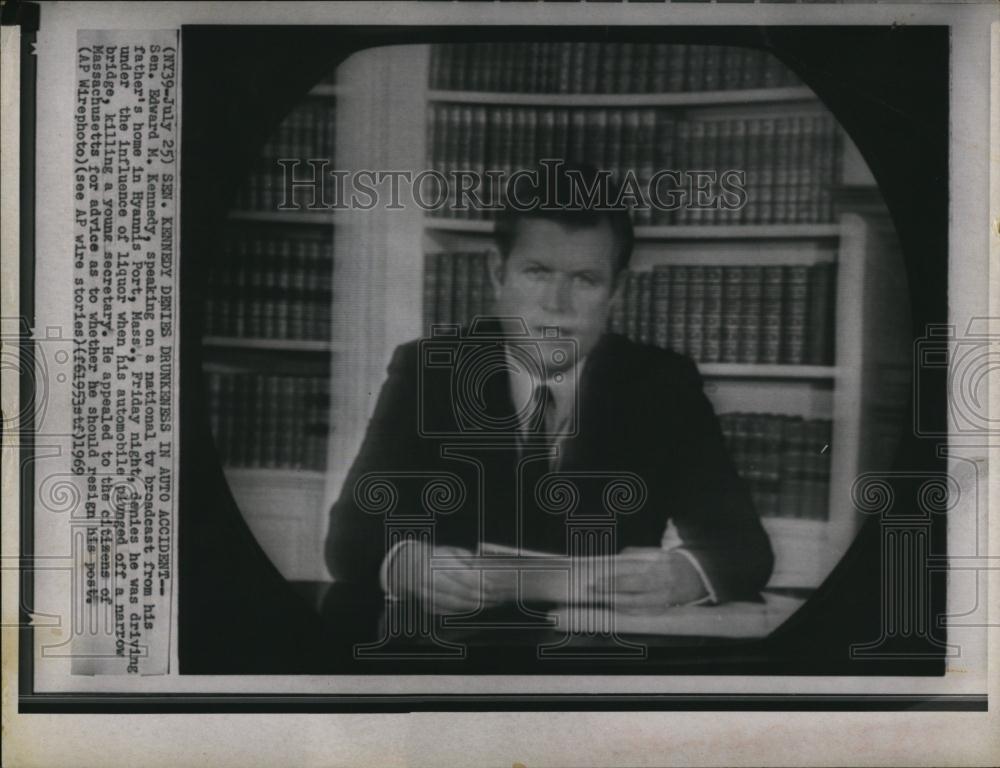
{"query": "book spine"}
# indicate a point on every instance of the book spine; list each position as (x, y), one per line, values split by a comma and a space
(578, 66)
(695, 322)
(283, 301)
(506, 148)
(712, 342)
(297, 296)
(256, 417)
(592, 67)
(256, 288)
(766, 171)
(710, 162)
(272, 421)
(645, 158)
(613, 144)
(629, 162)
(732, 314)
(623, 67)
(578, 135)
(794, 315)
(772, 71)
(772, 312)
(431, 271)
(770, 492)
(661, 306)
(439, 65)
(792, 468)
(269, 289)
(819, 333)
(801, 160)
(597, 144)
(712, 76)
(783, 157)
(610, 60)
(311, 265)
(326, 293)
(751, 211)
(830, 152)
(752, 307)
(639, 77)
(676, 67)
(659, 74)
(732, 67)
(694, 79)
(677, 332)
(694, 213)
(665, 157)
(238, 295)
(287, 431)
(561, 136)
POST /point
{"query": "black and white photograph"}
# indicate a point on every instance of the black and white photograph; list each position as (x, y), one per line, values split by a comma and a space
(566, 351)
(500, 383)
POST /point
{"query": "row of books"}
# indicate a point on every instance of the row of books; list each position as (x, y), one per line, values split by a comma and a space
(457, 287)
(270, 186)
(264, 420)
(306, 133)
(732, 314)
(785, 167)
(784, 459)
(603, 67)
(270, 285)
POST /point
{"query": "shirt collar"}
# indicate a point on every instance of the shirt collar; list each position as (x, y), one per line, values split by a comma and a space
(564, 387)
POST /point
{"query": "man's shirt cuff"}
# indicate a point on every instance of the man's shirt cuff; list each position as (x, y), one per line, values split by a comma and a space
(383, 574)
(711, 598)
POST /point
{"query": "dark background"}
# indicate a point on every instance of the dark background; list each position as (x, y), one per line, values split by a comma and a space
(888, 87)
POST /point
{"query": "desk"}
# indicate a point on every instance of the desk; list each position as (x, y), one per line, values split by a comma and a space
(355, 627)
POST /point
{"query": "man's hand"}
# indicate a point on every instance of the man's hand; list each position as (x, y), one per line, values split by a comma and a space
(649, 580)
(452, 590)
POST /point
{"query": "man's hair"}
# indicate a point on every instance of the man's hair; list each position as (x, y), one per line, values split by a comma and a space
(575, 195)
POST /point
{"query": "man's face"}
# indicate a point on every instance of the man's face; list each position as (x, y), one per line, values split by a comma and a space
(558, 277)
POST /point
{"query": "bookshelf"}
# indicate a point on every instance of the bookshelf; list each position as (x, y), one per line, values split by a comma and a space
(267, 349)
(677, 232)
(391, 116)
(695, 98)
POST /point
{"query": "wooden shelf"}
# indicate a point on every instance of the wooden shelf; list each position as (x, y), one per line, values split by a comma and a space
(676, 99)
(269, 476)
(738, 232)
(766, 371)
(676, 232)
(281, 345)
(325, 218)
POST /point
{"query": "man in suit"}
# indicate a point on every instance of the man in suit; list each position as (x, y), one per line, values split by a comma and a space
(603, 408)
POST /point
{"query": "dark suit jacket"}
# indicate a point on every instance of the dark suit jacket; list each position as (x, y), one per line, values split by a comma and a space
(641, 410)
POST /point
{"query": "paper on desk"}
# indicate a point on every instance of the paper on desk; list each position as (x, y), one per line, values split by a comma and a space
(502, 550)
(736, 619)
